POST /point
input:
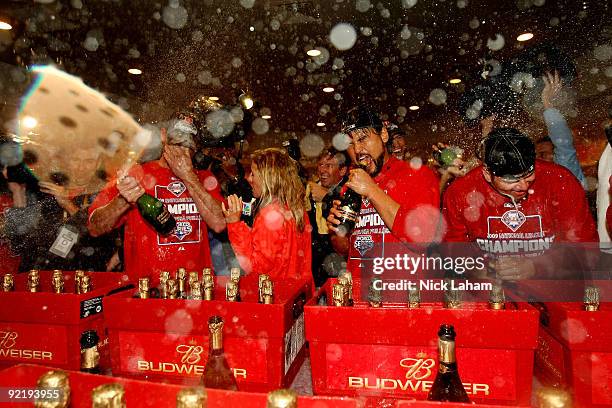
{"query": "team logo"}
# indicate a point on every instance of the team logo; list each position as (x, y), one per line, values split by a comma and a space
(182, 229)
(513, 219)
(176, 187)
(363, 244)
(365, 201)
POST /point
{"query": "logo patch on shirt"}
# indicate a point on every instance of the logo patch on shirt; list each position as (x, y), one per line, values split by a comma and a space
(513, 219)
(176, 187)
(363, 244)
(182, 230)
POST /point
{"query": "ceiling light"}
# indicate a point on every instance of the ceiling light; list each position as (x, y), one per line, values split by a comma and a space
(5, 26)
(29, 122)
(320, 124)
(314, 52)
(328, 89)
(246, 101)
(134, 71)
(413, 108)
(251, 28)
(524, 37)
(455, 80)
(213, 98)
(266, 117)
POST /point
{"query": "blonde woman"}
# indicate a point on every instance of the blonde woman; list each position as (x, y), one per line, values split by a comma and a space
(279, 242)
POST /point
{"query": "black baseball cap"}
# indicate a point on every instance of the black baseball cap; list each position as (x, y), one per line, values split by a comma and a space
(361, 117)
(509, 154)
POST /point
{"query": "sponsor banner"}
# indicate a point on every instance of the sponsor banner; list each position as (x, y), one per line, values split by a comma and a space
(34, 343)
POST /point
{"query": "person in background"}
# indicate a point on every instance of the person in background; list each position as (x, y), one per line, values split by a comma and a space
(332, 167)
(278, 244)
(604, 176)
(396, 146)
(558, 146)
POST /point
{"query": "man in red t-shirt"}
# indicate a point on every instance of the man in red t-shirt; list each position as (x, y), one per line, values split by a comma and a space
(400, 201)
(514, 208)
(192, 197)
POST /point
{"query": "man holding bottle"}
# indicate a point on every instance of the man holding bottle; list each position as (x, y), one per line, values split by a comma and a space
(400, 201)
(191, 196)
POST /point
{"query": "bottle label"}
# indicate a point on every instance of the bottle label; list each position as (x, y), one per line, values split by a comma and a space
(91, 307)
(347, 214)
(90, 358)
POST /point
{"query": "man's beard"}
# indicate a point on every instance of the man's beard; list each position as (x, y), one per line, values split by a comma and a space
(378, 162)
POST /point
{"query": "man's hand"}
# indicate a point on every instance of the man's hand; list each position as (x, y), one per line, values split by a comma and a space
(129, 188)
(317, 191)
(333, 219)
(233, 210)
(513, 269)
(19, 194)
(360, 182)
(552, 87)
(61, 195)
(179, 160)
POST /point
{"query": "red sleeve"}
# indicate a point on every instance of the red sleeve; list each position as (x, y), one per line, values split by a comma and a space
(609, 219)
(452, 214)
(419, 213)
(258, 248)
(211, 184)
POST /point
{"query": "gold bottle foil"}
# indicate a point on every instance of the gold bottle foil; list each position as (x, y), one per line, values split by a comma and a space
(262, 277)
(33, 280)
(54, 379)
(191, 398)
(196, 291)
(143, 288)
(90, 357)
(207, 271)
(163, 279)
(8, 283)
(282, 399)
(231, 291)
(553, 398)
(235, 275)
(172, 288)
(78, 276)
(181, 277)
(414, 298)
(108, 396)
(86, 285)
(497, 299)
(338, 292)
(193, 277)
(348, 279)
(215, 329)
(446, 350)
(209, 287)
(374, 295)
(591, 298)
(57, 281)
(267, 292)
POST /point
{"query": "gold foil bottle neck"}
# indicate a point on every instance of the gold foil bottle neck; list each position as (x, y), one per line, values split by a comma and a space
(215, 329)
(374, 293)
(591, 298)
(193, 277)
(282, 399)
(338, 292)
(196, 291)
(231, 291)
(86, 285)
(57, 281)
(553, 398)
(172, 288)
(414, 298)
(78, 275)
(446, 350)
(497, 298)
(207, 271)
(8, 283)
(54, 379)
(181, 273)
(143, 288)
(191, 398)
(262, 278)
(267, 291)
(108, 396)
(235, 275)
(33, 280)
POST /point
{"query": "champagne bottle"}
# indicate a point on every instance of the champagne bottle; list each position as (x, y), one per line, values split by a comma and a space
(350, 207)
(209, 287)
(108, 396)
(156, 214)
(86, 285)
(447, 386)
(591, 298)
(191, 398)
(553, 398)
(181, 277)
(339, 294)
(217, 373)
(235, 277)
(346, 278)
(262, 277)
(143, 288)
(33, 280)
(8, 283)
(163, 284)
(57, 281)
(374, 294)
(267, 290)
(90, 358)
(50, 381)
(78, 275)
(231, 291)
(497, 299)
(282, 399)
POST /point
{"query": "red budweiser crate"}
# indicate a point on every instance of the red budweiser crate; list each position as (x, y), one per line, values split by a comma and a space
(140, 394)
(575, 349)
(167, 339)
(45, 327)
(391, 352)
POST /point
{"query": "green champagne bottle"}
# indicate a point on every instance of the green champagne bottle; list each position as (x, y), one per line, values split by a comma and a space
(156, 214)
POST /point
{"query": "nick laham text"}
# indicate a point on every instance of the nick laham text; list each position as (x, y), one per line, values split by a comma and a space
(431, 285)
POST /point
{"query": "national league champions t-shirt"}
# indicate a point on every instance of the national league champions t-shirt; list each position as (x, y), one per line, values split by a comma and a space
(146, 252)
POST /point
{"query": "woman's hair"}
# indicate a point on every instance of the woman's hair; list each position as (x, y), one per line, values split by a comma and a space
(280, 181)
